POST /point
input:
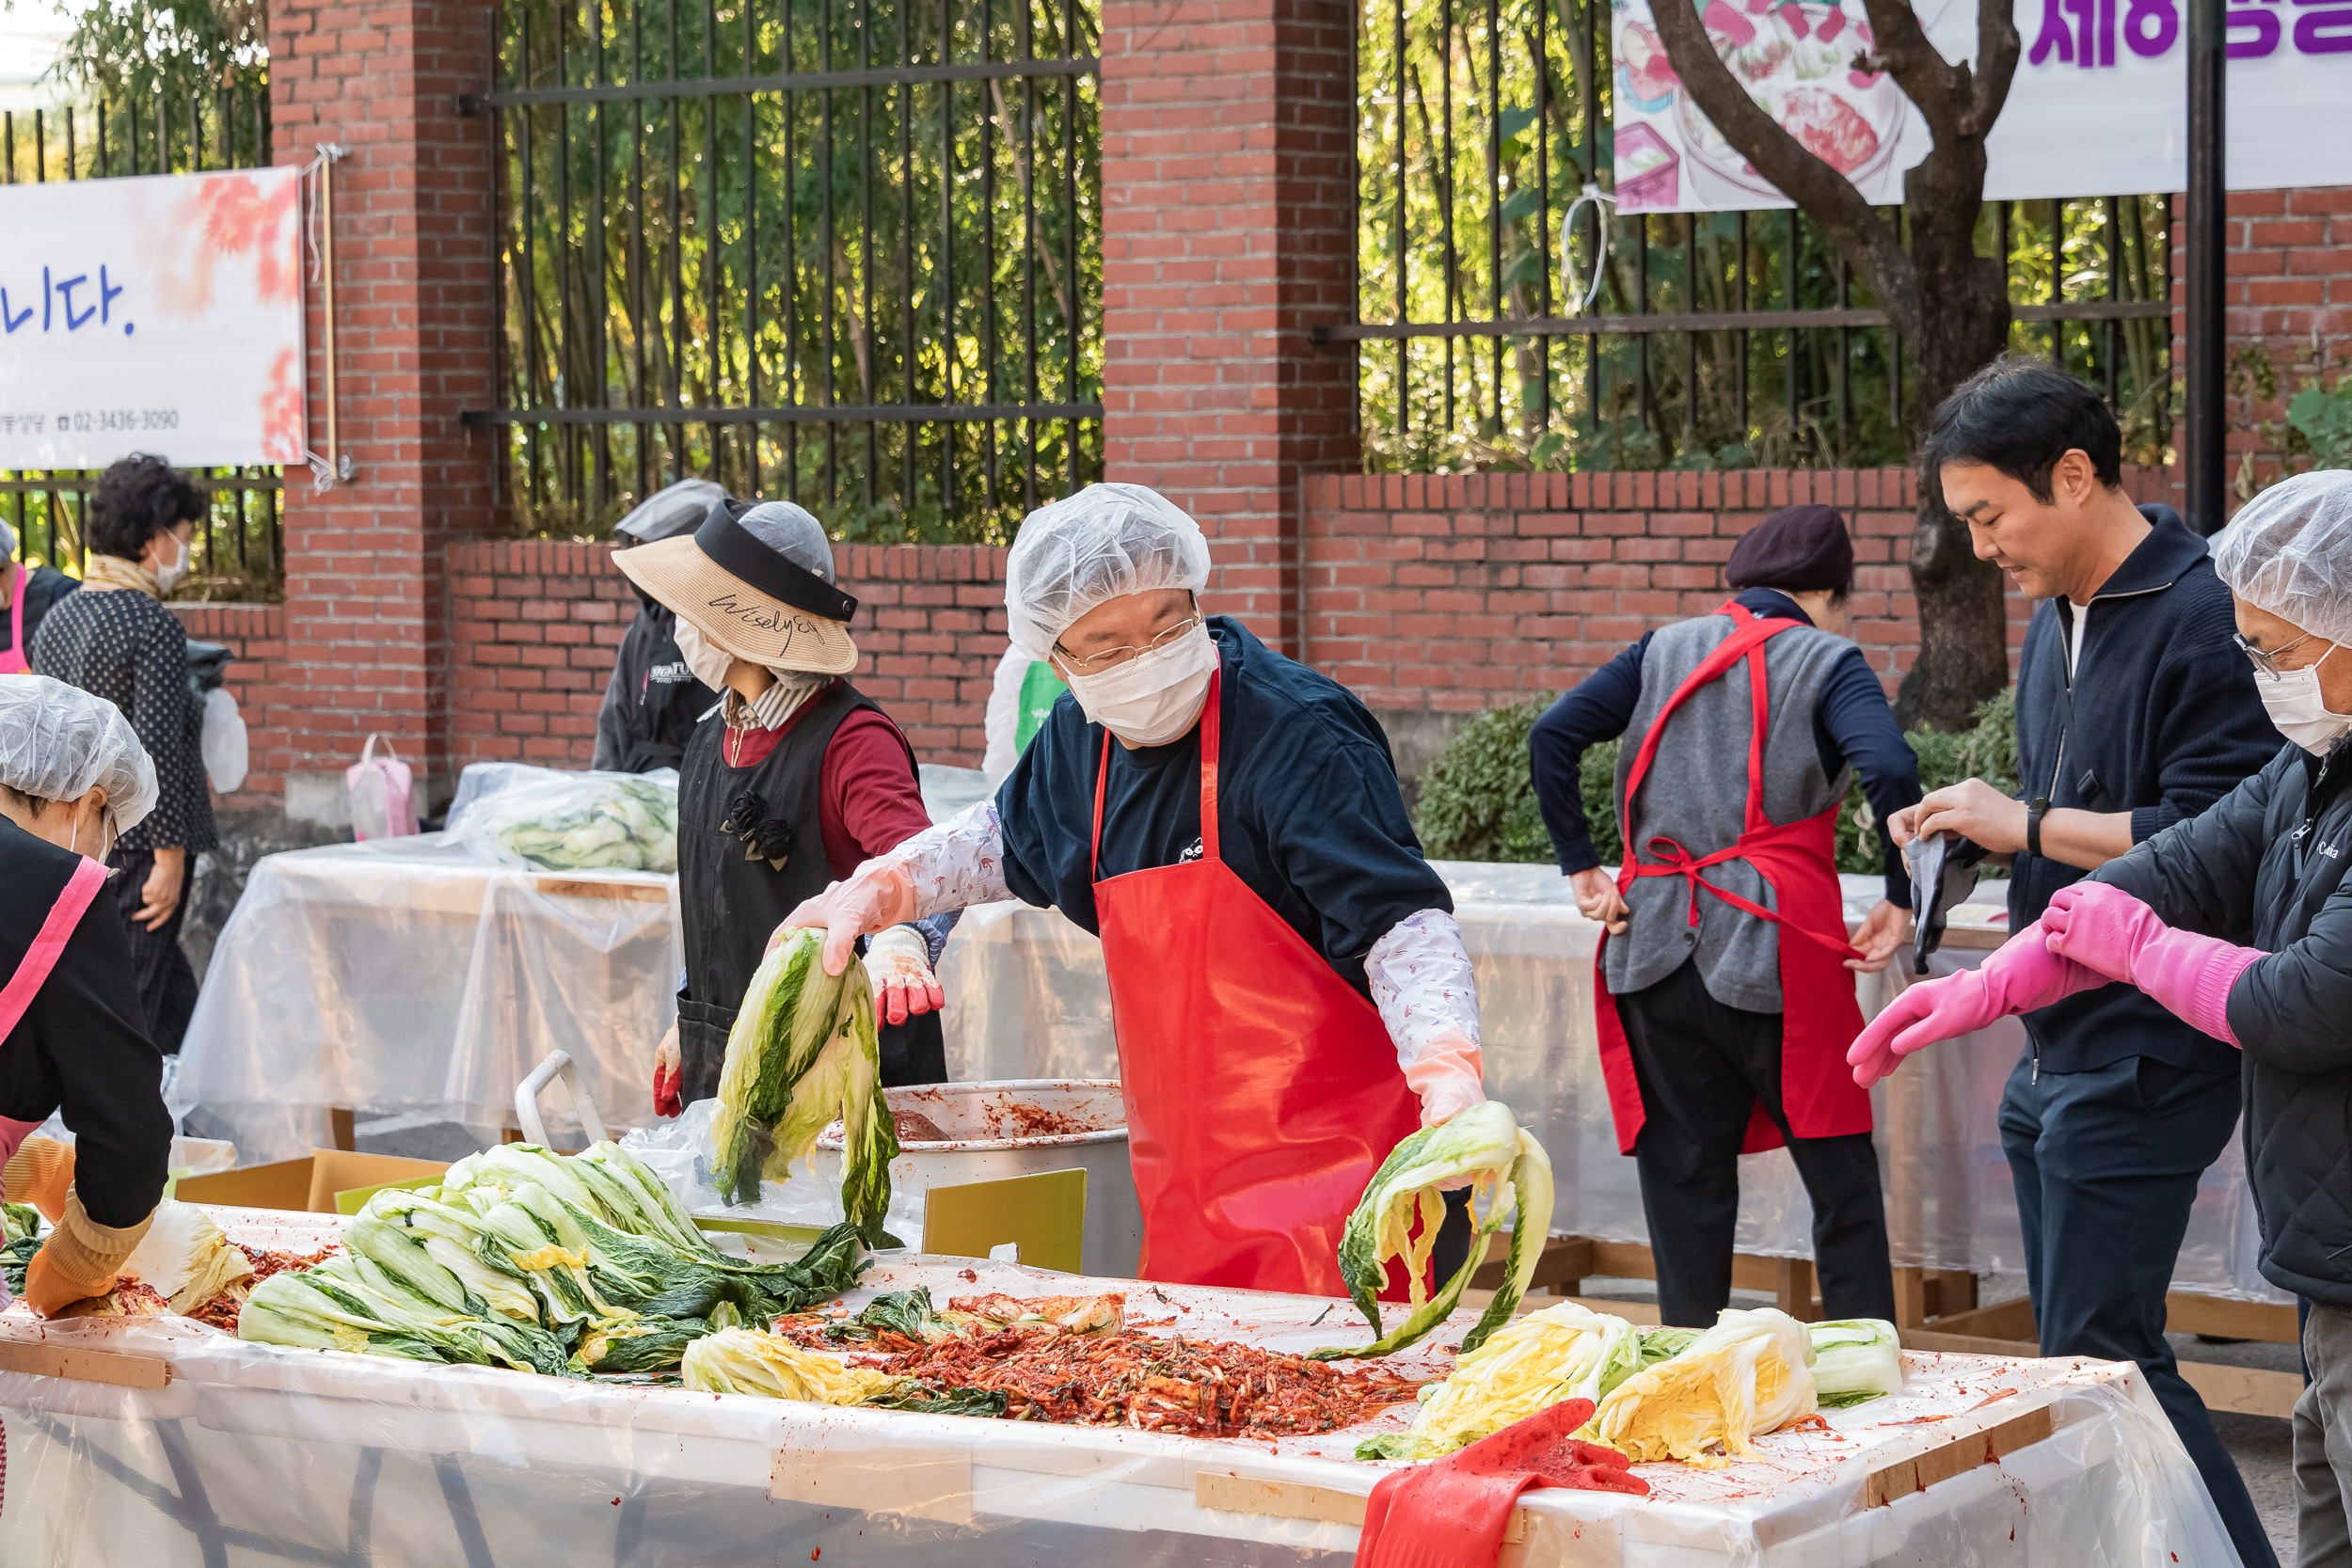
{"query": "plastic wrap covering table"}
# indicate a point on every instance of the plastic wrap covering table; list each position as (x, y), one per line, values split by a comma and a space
(165, 1444)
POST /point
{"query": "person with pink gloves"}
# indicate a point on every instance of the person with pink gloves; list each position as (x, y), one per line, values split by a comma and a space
(2239, 921)
(1290, 992)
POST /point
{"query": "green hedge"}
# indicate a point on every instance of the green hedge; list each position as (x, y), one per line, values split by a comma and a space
(1478, 803)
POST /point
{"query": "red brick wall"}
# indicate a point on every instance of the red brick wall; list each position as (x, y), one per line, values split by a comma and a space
(366, 612)
(2289, 290)
(1454, 593)
(534, 625)
(256, 636)
(1227, 228)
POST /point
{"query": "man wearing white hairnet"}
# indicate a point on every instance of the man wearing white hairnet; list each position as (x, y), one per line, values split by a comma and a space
(2240, 922)
(790, 780)
(1290, 990)
(73, 777)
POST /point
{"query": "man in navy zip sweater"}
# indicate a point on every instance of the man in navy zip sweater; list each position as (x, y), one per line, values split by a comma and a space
(2134, 712)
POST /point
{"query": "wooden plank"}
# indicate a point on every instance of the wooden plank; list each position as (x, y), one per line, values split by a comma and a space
(921, 1483)
(1911, 1297)
(2247, 1390)
(2006, 1320)
(2186, 1312)
(624, 892)
(1290, 1500)
(1792, 1290)
(83, 1365)
(1967, 1344)
(1964, 1453)
(1564, 1260)
(1950, 1292)
(340, 1124)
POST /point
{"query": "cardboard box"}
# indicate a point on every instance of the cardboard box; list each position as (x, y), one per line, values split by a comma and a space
(305, 1185)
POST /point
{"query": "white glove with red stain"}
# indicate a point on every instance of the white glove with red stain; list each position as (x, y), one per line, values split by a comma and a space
(946, 867)
(898, 963)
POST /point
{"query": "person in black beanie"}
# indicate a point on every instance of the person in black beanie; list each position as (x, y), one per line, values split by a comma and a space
(1726, 998)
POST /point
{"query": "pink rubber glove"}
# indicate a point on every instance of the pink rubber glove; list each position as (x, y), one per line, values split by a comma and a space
(2116, 934)
(1449, 1076)
(2021, 975)
(875, 898)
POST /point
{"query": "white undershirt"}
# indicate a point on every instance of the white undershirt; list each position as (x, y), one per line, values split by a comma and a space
(2074, 637)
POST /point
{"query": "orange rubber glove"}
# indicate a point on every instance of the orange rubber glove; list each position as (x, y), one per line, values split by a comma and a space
(80, 1259)
(40, 1172)
(875, 898)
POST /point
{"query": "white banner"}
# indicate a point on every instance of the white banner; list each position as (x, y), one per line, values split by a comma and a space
(160, 314)
(2098, 107)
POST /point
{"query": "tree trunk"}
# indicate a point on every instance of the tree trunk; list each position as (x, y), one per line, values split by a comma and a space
(1961, 603)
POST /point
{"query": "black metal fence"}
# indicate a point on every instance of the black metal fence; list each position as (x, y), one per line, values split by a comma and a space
(239, 550)
(1711, 339)
(847, 251)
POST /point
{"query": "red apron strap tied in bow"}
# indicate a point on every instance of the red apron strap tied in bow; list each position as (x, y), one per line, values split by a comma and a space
(1820, 1016)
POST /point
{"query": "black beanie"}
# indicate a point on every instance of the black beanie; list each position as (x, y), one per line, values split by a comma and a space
(1801, 547)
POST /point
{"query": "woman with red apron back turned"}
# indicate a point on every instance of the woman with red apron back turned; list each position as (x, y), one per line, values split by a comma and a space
(27, 592)
(1289, 988)
(1724, 987)
(72, 1038)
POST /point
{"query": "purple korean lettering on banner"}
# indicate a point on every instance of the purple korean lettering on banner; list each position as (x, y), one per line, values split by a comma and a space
(2054, 38)
(2323, 32)
(2252, 33)
(2150, 27)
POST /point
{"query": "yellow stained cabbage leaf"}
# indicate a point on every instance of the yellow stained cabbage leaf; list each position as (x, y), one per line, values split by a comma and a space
(1562, 1353)
(747, 1361)
(1750, 1374)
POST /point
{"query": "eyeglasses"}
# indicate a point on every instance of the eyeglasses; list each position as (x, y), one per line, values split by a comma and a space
(2269, 662)
(1112, 657)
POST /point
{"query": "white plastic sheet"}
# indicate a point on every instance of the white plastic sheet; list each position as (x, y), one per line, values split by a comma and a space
(401, 976)
(1026, 999)
(254, 1453)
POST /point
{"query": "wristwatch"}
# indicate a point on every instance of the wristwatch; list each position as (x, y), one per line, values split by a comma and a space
(2034, 810)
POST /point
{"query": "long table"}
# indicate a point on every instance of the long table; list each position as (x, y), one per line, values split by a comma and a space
(162, 1443)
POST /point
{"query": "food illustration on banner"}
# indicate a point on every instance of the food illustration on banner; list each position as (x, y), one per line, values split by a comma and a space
(1802, 63)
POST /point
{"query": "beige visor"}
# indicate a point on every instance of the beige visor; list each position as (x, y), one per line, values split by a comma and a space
(745, 621)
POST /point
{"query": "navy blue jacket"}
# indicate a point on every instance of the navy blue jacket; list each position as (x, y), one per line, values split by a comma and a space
(1308, 810)
(2167, 722)
(1851, 724)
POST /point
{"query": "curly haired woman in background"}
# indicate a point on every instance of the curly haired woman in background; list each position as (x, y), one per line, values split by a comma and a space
(115, 640)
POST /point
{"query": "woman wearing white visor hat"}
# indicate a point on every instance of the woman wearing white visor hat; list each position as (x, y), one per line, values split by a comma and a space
(790, 783)
(1290, 990)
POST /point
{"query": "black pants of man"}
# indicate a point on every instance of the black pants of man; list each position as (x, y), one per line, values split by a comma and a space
(1702, 1066)
(167, 981)
(2106, 1164)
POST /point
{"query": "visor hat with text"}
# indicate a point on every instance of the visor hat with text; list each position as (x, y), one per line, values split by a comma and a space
(757, 580)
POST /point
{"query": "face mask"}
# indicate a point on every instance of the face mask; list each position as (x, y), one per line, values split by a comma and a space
(2297, 708)
(1154, 698)
(167, 575)
(710, 663)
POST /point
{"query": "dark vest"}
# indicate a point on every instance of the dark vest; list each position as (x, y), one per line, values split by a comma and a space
(732, 903)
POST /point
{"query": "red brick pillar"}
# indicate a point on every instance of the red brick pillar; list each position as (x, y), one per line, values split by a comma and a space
(367, 640)
(1227, 222)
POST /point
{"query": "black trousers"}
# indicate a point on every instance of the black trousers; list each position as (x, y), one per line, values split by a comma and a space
(2105, 1165)
(167, 980)
(1702, 1066)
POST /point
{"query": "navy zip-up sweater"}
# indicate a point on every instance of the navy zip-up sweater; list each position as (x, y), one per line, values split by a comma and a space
(1851, 724)
(2168, 720)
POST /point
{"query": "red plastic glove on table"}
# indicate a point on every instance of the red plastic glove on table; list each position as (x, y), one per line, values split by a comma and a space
(1451, 1513)
(2021, 975)
(2106, 930)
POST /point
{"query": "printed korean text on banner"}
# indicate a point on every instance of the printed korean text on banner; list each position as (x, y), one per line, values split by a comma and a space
(2097, 107)
(161, 313)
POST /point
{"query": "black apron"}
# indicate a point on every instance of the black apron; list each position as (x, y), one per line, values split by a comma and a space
(733, 904)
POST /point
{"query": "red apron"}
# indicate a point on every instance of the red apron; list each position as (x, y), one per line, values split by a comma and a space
(1262, 1090)
(1798, 861)
(14, 660)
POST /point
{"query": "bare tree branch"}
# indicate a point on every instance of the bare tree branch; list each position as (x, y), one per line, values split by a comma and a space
(1826, 196)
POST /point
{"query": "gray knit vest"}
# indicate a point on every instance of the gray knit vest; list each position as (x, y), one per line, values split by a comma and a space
(1695, 793)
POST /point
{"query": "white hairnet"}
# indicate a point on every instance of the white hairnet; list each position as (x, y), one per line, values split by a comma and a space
(1103, 543)
(2289, 551)
(672, 510)
(791, 531)
(57, 741)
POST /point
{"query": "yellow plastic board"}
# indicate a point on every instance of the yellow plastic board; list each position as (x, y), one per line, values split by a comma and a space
(1045, 1214)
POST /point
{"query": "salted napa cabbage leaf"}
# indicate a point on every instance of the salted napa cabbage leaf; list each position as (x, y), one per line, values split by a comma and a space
(1484, 1148)
(1749, 1374)
(747, 1361)
(1855, 1359)
(185, 1258)
(1534, 1362)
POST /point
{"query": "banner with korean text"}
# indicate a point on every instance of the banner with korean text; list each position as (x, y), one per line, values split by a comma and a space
(2098, 107)
(161, 313)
